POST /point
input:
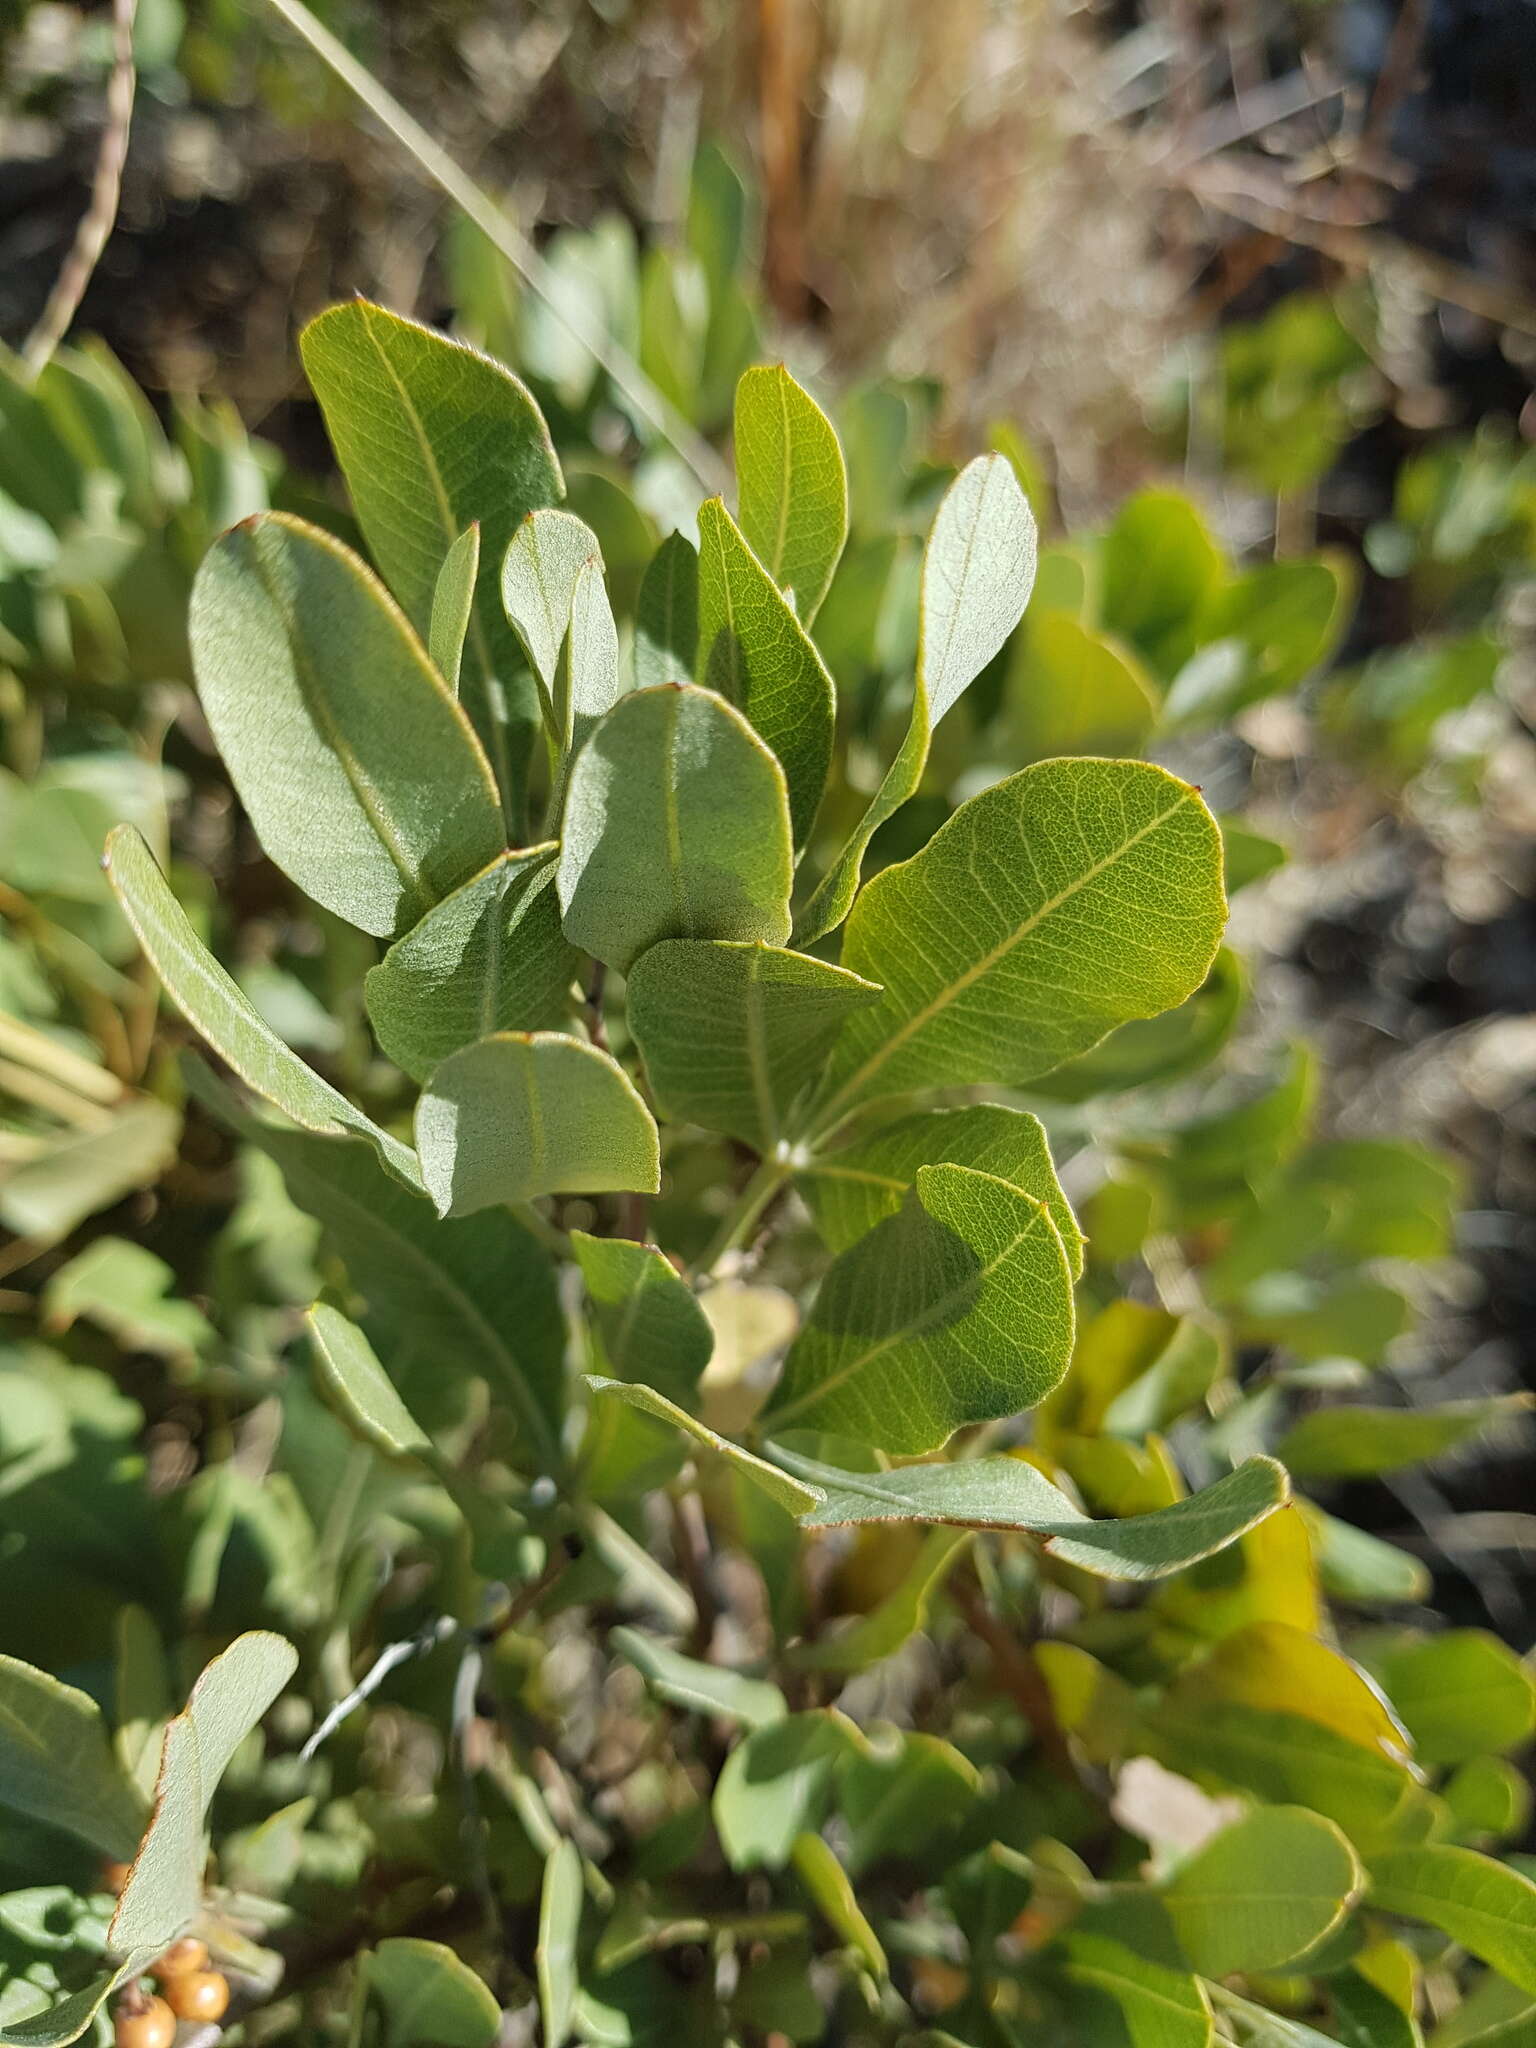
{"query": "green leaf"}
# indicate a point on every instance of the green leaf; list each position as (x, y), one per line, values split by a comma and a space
(902, 1795)
(1009, 1493)
(1462, 1694)
(789, 1492)
(667, 615)
(700, 1688)
(57, 1765)
(1281, 619)
(978, 571)
(453, 597)
(539, 574)
(649, 1320)
(163, 1891)
(587, 682)
(1366, 2017)
(1069, 899)
(477, 1295)
(432, 436)
(676, 827)
(60, 2024)
(532, 1113)
(1159, 568)
(1263, 1892)
(1488, 1800)
(1486, 1906)
(1275, 1667)
(490, 957)
(362, 776)
(1357, 1566)
(1157, 2006)
(793, 485)
(76, 1173)
(214, 1006)
(957, 1309)
(429, 1998)
(230, 1697)
(128, 1292)
(852, 1190)
(559, 1924)
(732, 1033)
(1074, 691)
(899, 1616)
(776, 1784)
(1283, 1758)
(1358, 1441)
(828, 1884)
(757, 655)
(1155, 1051)
(350, 1371)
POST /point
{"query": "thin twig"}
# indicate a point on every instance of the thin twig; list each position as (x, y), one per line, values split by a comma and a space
(100, 215)
(1017, 1673)
(510, 241)
(391, 1656)
(1256, 198)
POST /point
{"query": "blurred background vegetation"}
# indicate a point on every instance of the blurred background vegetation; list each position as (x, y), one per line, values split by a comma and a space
(1272, 259)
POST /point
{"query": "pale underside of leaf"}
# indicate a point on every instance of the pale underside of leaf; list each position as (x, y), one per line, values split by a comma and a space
(1009, 1493)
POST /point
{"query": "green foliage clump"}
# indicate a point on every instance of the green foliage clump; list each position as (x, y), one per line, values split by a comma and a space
(758, 992)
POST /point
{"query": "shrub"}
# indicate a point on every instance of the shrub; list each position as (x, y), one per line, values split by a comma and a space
(653, 1605)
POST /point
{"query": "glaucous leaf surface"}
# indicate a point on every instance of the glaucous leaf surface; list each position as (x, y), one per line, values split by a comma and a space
(758, 656)
(349, 1369)
(218, 1009)
(978, 571)
(1053, 907)
(957, 1309)
(781, 1486)
(667, 615)
(56, 1761)
(587, 680)
(1360, 1440)
(431, 437)
(555, 1956)
(453, 597)
(163, 1891)
(362, 776)
(701, 1688)
(531, 1113)
(676, 826)
(421, 1991)
(793, 485)
(490, 957)
(732, 1033)
(1009, 1493)
(649, 1320)
(776, 1784)
(476, 1293)
(850, 1191)
(539, 572)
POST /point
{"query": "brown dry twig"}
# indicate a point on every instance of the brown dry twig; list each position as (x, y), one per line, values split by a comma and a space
(100, 216)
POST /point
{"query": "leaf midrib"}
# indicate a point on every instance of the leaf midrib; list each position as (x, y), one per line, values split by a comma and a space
(935, 1311)
(956, 988)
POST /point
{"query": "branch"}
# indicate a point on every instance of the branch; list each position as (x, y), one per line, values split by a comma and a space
(100, 216)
